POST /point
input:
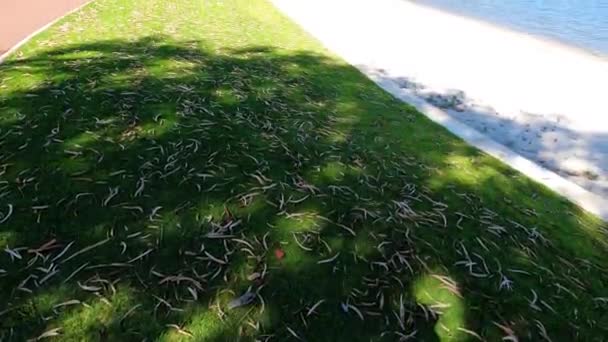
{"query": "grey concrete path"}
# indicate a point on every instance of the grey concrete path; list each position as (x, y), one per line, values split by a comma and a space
(537, 105)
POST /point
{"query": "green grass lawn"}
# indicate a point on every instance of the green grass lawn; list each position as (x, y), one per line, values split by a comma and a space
(159, 159)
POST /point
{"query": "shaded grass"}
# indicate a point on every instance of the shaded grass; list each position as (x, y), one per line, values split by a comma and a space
(156, 155)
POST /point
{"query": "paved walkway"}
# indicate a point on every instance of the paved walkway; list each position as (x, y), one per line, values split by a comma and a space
(534, 104)
(20, 18)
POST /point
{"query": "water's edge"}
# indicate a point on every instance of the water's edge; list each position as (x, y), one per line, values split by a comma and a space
(528, 25)
(519, 79)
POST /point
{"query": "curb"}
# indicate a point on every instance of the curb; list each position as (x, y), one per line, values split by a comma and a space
(15, 47)
(561, 186)
(575, 193)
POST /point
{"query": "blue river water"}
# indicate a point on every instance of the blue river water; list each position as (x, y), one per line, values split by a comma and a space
(579, 23)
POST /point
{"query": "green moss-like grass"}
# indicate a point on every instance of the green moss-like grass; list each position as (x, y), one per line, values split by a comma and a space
(131, 130)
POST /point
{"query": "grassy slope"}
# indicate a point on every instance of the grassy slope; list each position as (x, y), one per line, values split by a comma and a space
(132, 129)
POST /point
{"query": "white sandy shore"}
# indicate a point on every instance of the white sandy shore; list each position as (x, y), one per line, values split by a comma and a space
(543, 100)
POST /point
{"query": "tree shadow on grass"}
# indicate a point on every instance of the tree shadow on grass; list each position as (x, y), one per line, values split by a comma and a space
(145, 185)
(546, 139)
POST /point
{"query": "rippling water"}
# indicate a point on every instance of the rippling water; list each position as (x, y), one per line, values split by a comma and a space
(580, 23)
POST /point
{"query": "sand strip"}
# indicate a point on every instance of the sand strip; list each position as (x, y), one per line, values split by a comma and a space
(537, 105)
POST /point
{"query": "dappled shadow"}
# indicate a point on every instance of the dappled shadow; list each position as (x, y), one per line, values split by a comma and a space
(146, 184)
(547, 139)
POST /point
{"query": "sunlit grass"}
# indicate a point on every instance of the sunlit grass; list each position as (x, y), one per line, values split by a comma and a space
(442, 294)
(161, 159)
